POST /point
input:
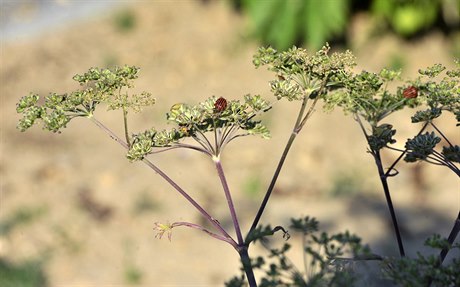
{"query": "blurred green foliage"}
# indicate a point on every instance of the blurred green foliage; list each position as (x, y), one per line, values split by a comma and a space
(22, 274)
(407, 17)
(133, 275)
(125, 20)
(311, 23)
(252, 186)
(282, 23)
(345, 183)
(20, 216)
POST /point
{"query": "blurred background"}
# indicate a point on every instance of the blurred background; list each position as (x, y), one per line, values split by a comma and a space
(75, 212)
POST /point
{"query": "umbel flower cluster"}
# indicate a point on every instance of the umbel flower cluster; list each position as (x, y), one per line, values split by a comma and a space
(227, 120)
(100, 86)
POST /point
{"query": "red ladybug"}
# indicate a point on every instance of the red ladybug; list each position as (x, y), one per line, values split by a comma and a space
(410, 93)
(220, 104)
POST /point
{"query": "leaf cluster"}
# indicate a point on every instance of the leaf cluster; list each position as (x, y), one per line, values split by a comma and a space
(99, 86)
(302, 74)
(425, 270)
(327, 264)
(195, 120)
(438, 96)
(282, 23)
(365, 94)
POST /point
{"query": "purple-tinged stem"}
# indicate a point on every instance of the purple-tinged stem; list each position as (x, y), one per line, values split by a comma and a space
(203, 212)
(199, 227)
(220, 172)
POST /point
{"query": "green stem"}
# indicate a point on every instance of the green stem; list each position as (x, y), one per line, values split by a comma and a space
(386, 189)
(220, 172)
(294, 134)
(125, 123)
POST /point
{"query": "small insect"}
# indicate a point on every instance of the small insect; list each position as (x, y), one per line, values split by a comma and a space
(410, 93)
(220, 104)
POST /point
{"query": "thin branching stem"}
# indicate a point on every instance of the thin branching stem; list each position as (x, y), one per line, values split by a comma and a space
(294, 133)
(223, 179)
(199, 227)
(202, 137)
(452, 236)
(396, 149)
(386, 189)
(309, 113)
(125, 124)
(192, 147)
(392, 166)
(247, 266)
(451, 239)
(443, 136)
(242, 248)
(195, 204)
(358, 119)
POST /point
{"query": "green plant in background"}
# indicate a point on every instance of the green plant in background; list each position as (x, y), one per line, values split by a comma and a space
(367, 97)
(22, 274)
(408, 17)
(283, 23)
(252, 186)
(328, 260)
(208, 127)
(346, 183)
(20, 216)
(425, 270)
(125, 20)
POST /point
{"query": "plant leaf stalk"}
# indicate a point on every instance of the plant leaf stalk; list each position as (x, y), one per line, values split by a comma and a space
(383, 179)
(195, 204)
(452, 236)
(300, 122)
(220, 172)
(403, 153)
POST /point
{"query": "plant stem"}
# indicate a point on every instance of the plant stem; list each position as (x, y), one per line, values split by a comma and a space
(383, 179)
(220, 172)
(403, 153)
(125, 122)
(452, 236)
(294, 134)
(443, 136)
(247, 266)
(203, 212)
(199, 227)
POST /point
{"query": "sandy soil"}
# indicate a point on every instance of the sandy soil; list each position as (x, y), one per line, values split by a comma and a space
(95, 210)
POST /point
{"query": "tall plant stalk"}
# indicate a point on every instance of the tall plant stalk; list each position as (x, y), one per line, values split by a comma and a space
(383, 179)
(300, 122)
